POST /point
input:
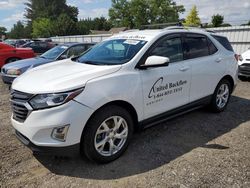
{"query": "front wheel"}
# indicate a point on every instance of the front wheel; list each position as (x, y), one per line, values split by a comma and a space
(107, 134)
(221, 96)
(12, 60)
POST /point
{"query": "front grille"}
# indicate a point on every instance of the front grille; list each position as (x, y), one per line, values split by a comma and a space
(19, 105)
(245, 64)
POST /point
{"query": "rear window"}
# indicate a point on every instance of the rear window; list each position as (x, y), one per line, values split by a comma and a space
(224, 42)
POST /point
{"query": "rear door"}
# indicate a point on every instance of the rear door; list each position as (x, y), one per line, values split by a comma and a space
(206, 62)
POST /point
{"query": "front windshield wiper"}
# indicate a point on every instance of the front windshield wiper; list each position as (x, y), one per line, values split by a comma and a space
(91, 62)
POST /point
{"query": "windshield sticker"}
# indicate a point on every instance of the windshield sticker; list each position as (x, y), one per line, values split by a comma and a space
(131, 42)
(160, 89)
(64, 47)
(135, 37)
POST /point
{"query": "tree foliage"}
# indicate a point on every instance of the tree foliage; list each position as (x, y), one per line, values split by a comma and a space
(217, 20)
(51, 9)
(42, 27)
(51, 17)
(135, 13)
(18, 31)
(2, 31)
(192, 18)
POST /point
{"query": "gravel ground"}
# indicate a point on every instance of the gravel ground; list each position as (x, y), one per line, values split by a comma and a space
(199, 149)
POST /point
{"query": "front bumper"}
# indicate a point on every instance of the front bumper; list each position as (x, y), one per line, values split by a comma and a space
(64, 151)
(8, 79)
(244, 70)
(38, 126)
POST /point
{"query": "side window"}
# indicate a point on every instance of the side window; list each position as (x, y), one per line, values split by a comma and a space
(224, 42)
(212, 48)
(42, 44)
(169, 47)
(195, 46)
(75, 51)
(33, 44)
(79, 50)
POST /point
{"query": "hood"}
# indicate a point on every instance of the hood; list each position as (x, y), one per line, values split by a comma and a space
(27, 63)
(246, 58)
(60, 76)
(246, 54)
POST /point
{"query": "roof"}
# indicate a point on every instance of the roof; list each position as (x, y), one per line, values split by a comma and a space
(149, 34)
(69, 44)
(139, 34)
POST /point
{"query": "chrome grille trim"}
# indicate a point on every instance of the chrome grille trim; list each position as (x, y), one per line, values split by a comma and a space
(20, 106)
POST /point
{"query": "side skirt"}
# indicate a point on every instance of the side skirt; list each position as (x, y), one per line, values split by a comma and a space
(175, 112)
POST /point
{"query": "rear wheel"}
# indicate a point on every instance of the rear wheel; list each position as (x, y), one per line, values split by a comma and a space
(12, 60)
(221, 96)
(107, 134)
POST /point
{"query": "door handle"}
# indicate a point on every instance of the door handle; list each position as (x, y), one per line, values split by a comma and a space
(184, 68)
(218, 60)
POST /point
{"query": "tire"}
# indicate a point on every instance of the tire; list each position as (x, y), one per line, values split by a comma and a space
(101, 141)
(10, 60)
(221, 96)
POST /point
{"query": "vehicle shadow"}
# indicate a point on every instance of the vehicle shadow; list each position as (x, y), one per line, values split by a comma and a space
(158, 145)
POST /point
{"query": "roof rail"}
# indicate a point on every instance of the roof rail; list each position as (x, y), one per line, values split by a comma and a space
(189, 28)
(160, 26)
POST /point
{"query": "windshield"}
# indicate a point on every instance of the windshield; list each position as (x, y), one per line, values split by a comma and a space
(112, 52)
(10, 42)
(54, 52)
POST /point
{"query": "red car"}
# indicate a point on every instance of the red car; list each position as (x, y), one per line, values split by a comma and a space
(9, 53)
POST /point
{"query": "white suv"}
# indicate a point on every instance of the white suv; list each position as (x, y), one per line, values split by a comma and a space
(244, 65)
(94, 103)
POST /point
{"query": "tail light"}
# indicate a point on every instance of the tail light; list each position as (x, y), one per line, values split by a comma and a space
(238, 57)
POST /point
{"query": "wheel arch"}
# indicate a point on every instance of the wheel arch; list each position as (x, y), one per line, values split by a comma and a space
(124, 104)
(6, 61)
(230, 79)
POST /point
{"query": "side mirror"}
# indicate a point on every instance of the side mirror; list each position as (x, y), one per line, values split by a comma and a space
(155, 61)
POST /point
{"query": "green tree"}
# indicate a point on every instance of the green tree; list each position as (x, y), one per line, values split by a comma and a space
(62, 17)
(64, 25)
(18, 31)
(42, 27)
(217, 20)
(85, 25)
(248, 23)
(135, 13)
(2, 31)
(225, 25)
(101, 24)
(192, 18)
(49, 9)
(120, 14)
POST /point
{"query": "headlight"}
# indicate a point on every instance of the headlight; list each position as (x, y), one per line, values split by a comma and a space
(14, 72)
(42, 101)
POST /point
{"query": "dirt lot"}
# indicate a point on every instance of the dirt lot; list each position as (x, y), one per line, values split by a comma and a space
(199, 149)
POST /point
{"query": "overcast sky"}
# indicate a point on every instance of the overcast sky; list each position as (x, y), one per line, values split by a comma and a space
(235, 11)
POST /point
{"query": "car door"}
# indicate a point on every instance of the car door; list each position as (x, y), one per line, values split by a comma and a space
(166, 87)
(207, 65)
